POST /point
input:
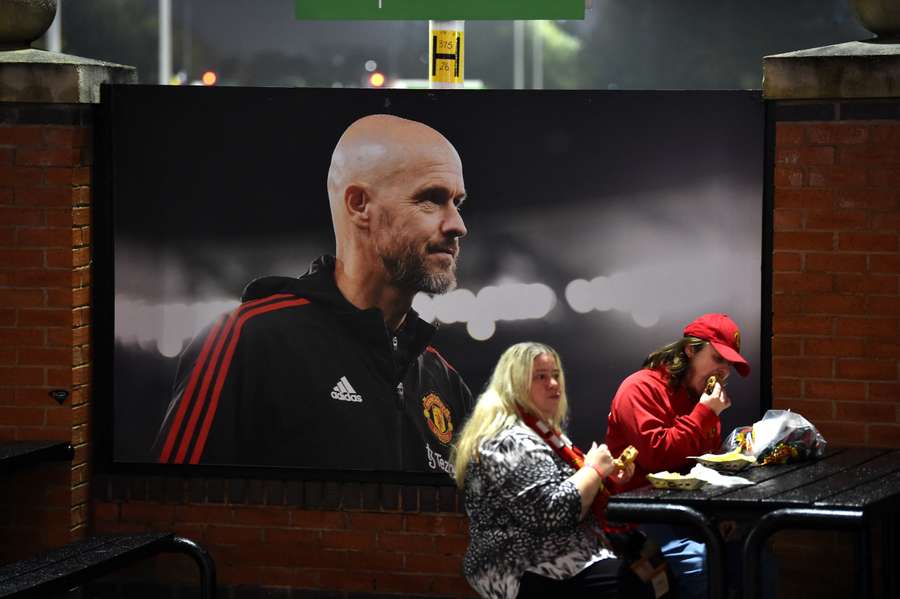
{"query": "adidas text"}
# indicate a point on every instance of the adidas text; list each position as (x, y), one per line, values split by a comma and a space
(344, 396)
(344, 391)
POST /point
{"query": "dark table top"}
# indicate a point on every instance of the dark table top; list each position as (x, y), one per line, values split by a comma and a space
(17, 453)
(844, 478)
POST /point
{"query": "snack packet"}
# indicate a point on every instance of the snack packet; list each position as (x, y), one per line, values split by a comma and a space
(780, 437)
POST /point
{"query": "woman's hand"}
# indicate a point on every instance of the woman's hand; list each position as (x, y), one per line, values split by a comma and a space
(600, 457)
(716, 401)
(588, 480)
(622, 476)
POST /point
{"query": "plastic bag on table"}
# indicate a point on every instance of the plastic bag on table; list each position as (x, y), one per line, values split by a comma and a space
(780, 437)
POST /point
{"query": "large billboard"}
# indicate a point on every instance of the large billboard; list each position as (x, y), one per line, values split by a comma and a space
(599, 223)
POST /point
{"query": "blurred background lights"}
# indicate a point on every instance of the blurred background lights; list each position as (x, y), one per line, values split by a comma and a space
(481, 330)
(643, 294)
(209, 78)
(424, 306)
(175, 320)
(529, 301)
(617, 292)
(456, 306)
(165, 327)
(645, 317)
(601, 290)
(168, 327)
(579, 294)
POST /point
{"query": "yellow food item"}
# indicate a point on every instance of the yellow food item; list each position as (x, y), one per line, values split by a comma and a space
(668, 475)
(731, 456)
(627, 456)
(710, 384)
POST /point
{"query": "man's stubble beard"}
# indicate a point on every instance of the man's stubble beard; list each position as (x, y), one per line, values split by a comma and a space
(405, 264)
(406, 269)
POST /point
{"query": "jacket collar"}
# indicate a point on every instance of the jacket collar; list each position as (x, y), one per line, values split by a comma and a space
(318, 286)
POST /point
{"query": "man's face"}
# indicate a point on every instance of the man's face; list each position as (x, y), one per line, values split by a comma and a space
(419, 225)
(703, 364)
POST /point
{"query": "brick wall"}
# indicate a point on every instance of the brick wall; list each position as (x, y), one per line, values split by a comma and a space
(44, 310)
(286, 538)
(836, 345)
(836, 277)
(282, 536)
(836, 298)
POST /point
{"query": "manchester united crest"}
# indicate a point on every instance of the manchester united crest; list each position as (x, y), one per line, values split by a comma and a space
(438, 417)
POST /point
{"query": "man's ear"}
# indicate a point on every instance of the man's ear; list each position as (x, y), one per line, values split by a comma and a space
(357, 203)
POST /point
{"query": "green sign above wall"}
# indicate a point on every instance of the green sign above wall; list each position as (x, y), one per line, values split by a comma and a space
(437, 10)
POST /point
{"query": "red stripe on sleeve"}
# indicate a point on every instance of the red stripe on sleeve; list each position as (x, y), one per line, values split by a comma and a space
(226, 363)
(188, 394)
(435, 352)
(207, 378)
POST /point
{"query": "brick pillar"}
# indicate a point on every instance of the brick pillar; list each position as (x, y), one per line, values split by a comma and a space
(836, 249)
(45, 184)
(835, 268)
(44, 177)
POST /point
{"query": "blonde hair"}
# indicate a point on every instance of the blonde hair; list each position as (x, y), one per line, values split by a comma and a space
(507, 392)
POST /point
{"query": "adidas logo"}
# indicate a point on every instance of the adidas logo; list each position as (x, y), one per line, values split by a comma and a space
(345, 392)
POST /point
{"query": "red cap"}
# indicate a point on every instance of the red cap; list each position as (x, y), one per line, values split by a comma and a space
(724, 335)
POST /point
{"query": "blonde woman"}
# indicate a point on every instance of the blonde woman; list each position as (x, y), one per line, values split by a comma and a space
(528, 491)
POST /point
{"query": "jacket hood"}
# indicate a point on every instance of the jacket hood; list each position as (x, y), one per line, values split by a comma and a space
(316, 284)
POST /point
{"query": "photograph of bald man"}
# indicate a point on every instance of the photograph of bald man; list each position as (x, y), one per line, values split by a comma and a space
(334, 369)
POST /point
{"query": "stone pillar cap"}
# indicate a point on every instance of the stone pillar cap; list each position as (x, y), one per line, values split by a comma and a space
(30, 75)
(864, 69)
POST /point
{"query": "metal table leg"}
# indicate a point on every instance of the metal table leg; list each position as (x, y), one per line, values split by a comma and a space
(204, 562)
(651, 513)
(864, 562)
(889, 546)
(806, 518)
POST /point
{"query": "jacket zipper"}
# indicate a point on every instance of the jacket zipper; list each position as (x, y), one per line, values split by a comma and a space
(400, 399)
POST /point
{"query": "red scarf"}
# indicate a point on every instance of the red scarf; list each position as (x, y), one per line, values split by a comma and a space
(573, 456)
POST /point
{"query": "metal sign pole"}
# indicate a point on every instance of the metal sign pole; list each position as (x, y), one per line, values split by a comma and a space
(518, 54)
(165, 41)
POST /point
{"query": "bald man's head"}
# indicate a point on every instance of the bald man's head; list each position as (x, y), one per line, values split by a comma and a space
(378, 147)
(394, 188)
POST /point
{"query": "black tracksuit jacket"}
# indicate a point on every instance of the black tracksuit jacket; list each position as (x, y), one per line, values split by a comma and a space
(297, 376)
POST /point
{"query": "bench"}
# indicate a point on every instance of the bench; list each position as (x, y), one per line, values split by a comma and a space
(19, 453)
(70, 566)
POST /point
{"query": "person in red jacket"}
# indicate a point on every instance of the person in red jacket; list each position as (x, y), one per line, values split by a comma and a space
(664, 411)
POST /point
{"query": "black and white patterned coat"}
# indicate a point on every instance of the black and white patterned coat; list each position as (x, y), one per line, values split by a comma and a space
(523, 515)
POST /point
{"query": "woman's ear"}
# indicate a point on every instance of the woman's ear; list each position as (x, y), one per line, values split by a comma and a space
(689, 351)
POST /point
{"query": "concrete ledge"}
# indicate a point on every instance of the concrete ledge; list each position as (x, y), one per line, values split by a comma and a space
(868, 69)
(37, 76)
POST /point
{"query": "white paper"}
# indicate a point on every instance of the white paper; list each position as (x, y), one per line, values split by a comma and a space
(717, 478)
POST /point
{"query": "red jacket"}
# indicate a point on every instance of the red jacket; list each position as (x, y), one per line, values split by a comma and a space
(664, 425)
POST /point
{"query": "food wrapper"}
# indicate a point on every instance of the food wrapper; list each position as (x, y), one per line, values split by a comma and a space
(674, 480)
(733, 461)
(780, 437)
